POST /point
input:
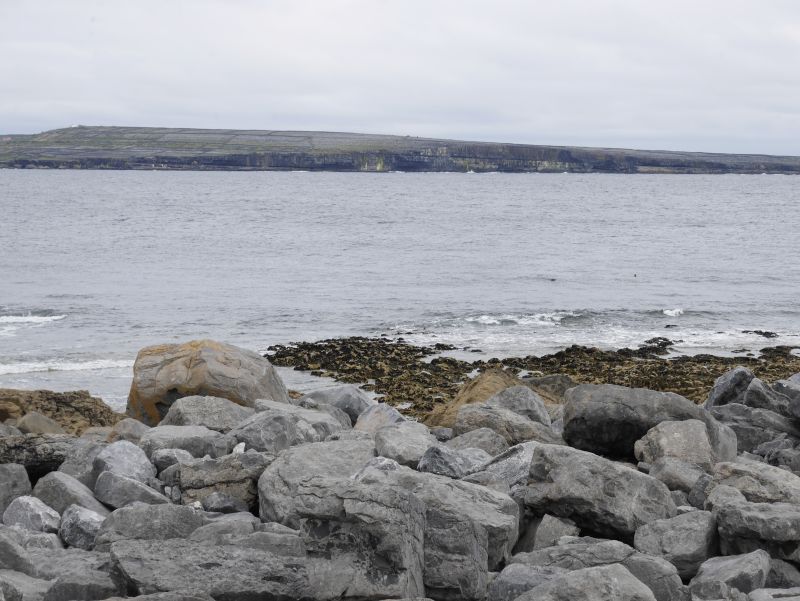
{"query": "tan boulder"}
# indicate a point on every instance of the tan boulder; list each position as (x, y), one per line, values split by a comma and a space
(164, 373)
(74, 411)
(478, 390)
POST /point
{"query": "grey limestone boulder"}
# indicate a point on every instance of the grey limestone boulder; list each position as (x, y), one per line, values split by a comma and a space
(141, 521)
(347, 397)
(686, 540)
(782, 574)
(199, 441)
(214, 413)
(163, 458)
(657, 574)
(14, 483)
(513, 427)
(518, 578)
(480, 438)
(128, 429)
(88, 584)
(405, 442)
(451, 463)
(608, 419)
(376, 417)
(32, 514)
(551, 529)
(759, 483)
(40, 454)
(79, 527)
(718, 575)
(754, 426)
(226, 573)
(234, 475)
(594, 492)
(602, 583)
(762, 396)
(730, 387)
(775, 594)
(278, 426)
(80, 464)
(685, 440)
(36, 423)
(511, 467)
(124, 459)
(117, 491)
(164, 373)
(676, 474)
(219, 502)
(17, 586)
(59, 491)
(521, 400)
(278, 483)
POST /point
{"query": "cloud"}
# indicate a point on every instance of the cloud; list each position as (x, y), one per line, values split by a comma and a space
(713, 75)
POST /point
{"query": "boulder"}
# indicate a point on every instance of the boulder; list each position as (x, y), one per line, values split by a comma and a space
(597, 494)
(782, 574)
(347, 397)
(718, 575)
(603, 583)
(164, 373)
(233, 475)
(453, 464)
(117, 491)
(521, 400)
(34, 422)
(214, 413)
(226, 573)
(278, 426)
(676, 474)
(14, 483)
(513, 427)
(761, 396)
(40, 454)
(128, 429)
(551, 387)
(141, 521)
(278, 483)
(758, 483)
(686, 541)
(20, 587)
(32, 514)
(163, 458)
(754, 426)
(684, 440)
(197, 440)
(655, 573)
(376, 417)
(512, 468)
(80, 464)
(8, 430)
(60, 490)
(730, 387)
(478, 390)
(405, 442)
(14, 556)
(32, 539)
(480, 438)
(73, 411)
(551, 529)
(88, 584)
(469, 529)
(124, 458)
(608, 419)
(775, 594)
(519, 578)
(79, 527)
(218, 502)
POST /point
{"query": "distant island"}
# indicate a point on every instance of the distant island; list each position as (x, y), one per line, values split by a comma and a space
(84, 147)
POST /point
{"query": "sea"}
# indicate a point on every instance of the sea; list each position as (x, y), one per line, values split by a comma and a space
(95, 265)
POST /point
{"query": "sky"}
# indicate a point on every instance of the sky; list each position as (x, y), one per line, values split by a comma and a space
(704, 75)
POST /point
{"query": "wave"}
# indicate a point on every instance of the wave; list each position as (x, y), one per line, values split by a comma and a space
(46, 366)
(530, 319)
(29, 318)
(673, 312)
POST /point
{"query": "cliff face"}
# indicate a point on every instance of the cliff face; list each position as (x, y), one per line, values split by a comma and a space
(194, 149)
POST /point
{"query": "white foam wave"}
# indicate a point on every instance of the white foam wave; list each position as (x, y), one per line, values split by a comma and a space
(673, 312)
(30, 318)
(541, 319)
(41, 366)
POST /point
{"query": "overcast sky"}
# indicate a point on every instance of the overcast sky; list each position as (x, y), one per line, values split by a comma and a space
(717, 75)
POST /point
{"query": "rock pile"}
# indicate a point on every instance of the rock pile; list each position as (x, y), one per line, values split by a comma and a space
(646, 496)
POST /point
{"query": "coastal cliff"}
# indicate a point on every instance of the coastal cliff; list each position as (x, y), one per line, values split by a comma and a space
(264, 150)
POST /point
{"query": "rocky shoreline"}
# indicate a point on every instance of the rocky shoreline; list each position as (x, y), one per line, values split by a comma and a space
(530, 479)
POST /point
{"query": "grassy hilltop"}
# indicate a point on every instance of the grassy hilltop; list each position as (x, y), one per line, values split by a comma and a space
(228, 149)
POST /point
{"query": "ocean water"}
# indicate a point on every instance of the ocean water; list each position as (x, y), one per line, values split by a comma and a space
(97, 264)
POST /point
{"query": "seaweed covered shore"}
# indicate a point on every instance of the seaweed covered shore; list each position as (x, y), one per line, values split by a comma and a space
(421, 378)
